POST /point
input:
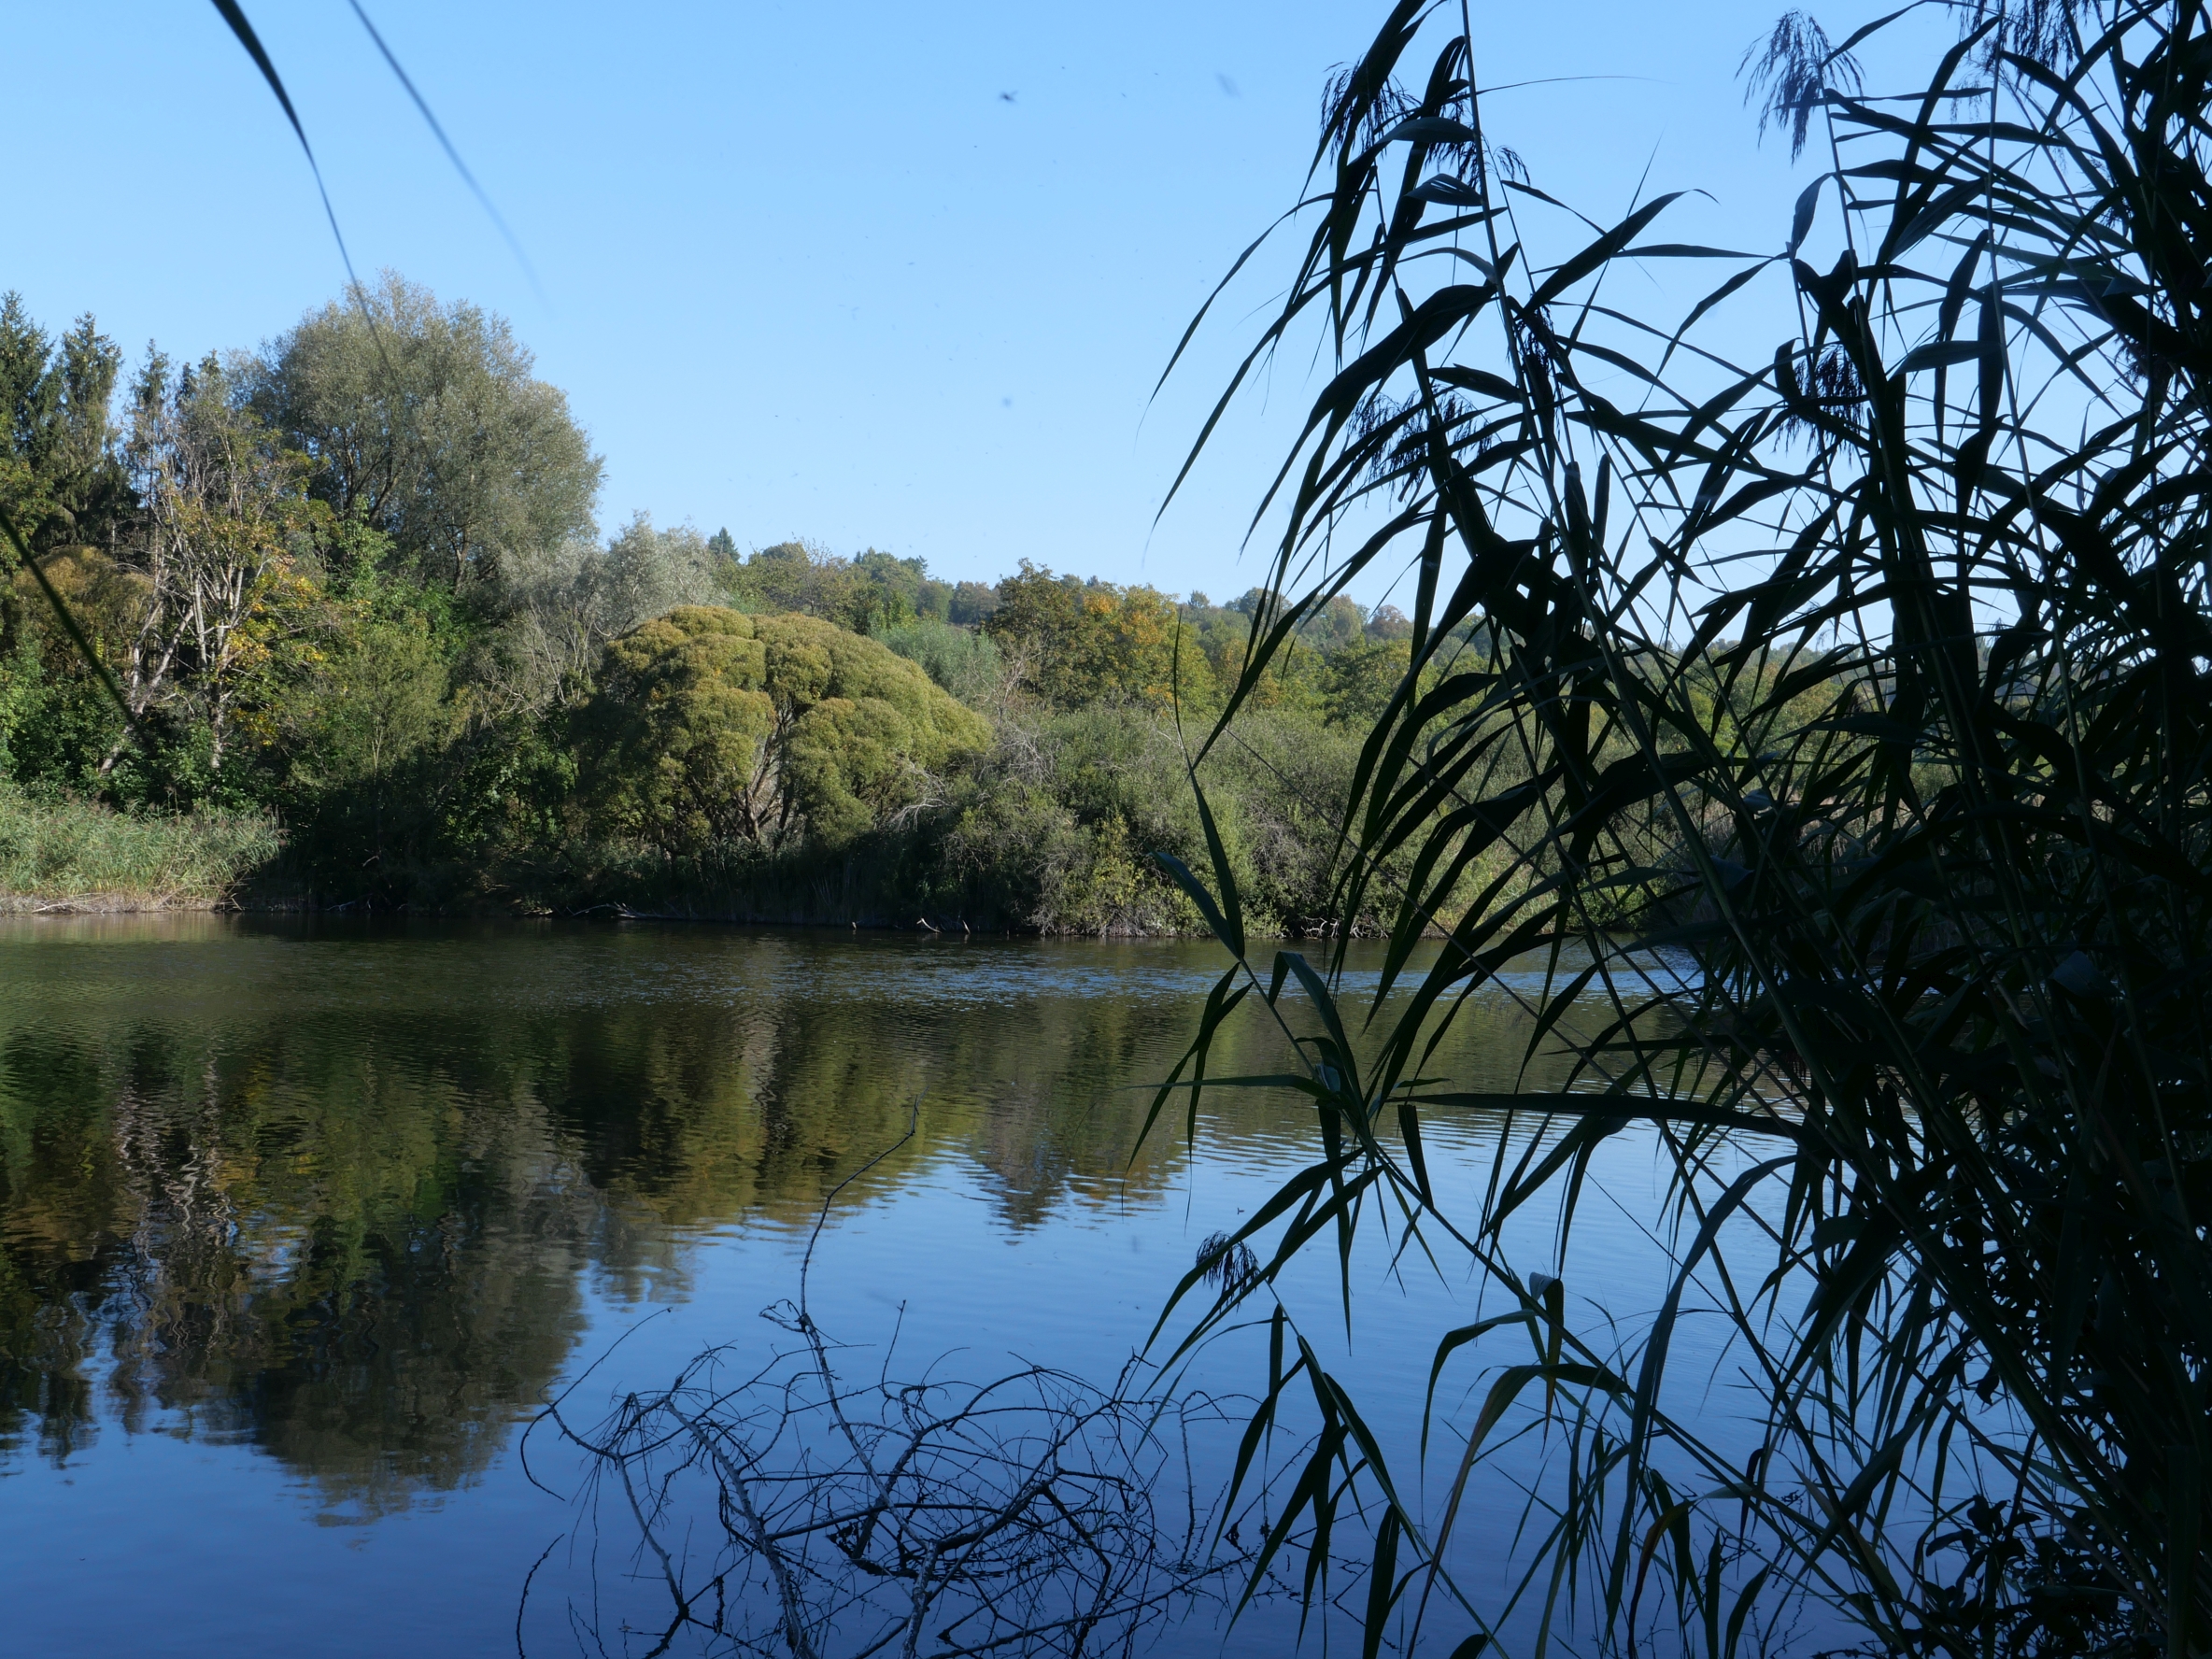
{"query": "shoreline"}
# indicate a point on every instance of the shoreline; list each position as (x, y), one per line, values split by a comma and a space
(117, 904)
(100, 904)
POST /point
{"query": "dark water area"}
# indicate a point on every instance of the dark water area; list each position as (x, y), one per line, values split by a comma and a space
(301, 1223)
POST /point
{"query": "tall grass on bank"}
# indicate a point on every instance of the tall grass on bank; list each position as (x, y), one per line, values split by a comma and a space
(1909, 985)
(63, 853)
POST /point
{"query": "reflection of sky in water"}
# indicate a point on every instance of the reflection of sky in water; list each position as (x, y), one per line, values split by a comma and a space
(505, 1147)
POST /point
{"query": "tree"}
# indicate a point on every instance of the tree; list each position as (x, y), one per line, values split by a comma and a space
(61, 480)
(713, 726)
(427, 422)
(226, 524)
(1361, 679)
(1074, 642)
(567, 601)
(798, 576)
(867, 594)
(972, 602)
(376, 712)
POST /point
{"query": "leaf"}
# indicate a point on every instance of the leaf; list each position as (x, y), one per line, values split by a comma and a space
(1449, 192)
(1809, 202)
(1683, 251)
(1220, 1004)
(1430, 129)
(1198, 896)
(1939, 354)
(1451, 1344)
(231, 14)
(1599, 252)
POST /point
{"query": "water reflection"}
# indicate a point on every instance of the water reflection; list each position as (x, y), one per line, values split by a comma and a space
(340, 1193)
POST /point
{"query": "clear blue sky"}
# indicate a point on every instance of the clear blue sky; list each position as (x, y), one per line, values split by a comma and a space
(897, 275)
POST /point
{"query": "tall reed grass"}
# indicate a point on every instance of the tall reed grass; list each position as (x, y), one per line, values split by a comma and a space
(1842, 707)
(61, 852)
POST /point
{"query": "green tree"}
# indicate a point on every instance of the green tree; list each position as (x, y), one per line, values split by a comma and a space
(61, 480)
(964, 660)
(868, 594)
(361, 737)
(427, 422)
(803, 576)
(1075, 644)
(1361, 678)
(970, 603)
(713, 726)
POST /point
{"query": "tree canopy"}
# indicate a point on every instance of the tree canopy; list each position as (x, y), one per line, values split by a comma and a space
(712, 725)
(428, 423)
(60, 478)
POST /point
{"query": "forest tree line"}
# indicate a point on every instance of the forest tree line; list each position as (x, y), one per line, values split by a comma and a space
(356, 637)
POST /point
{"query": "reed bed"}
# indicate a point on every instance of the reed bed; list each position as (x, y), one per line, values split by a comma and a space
(63, 853)
(1841, 702)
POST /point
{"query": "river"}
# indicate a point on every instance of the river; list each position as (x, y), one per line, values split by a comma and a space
(302, 1221)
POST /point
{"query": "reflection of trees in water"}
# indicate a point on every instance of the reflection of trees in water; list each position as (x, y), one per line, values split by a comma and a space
(359, 1241)
(357, 1237)
(269, 1239)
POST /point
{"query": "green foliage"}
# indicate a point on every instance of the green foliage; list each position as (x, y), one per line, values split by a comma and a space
(1075, 644)
(426, 422)
(964, 660)
(710, 725)
(61, 482)
(56, 719)
(1363, 677)
(869, 593)
(354, 585)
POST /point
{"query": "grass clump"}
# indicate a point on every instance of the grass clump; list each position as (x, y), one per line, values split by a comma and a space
(59, 852)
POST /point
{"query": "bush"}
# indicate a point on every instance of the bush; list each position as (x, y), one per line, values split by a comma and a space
(964, 661)
(710, 725)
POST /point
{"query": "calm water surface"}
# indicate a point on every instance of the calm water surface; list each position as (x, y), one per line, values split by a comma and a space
(300, 1223)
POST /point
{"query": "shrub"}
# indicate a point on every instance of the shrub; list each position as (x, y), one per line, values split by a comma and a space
(710, 725)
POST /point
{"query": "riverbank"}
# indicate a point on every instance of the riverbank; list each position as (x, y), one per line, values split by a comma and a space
(63, 854)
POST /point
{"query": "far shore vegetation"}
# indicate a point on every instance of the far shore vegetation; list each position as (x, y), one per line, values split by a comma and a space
(376, 653)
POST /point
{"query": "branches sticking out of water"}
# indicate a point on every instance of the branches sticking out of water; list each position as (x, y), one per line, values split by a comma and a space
(798, 1509)
(798, 1514)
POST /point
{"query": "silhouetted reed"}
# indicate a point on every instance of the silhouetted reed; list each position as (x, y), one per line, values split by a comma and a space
(792, 1508)
(1839, 705)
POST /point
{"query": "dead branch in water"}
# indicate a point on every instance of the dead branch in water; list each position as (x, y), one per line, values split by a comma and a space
(791, 1510)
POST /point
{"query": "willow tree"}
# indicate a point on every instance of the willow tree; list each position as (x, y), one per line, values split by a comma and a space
(711, 725)
(428, 423)
(1838, 706)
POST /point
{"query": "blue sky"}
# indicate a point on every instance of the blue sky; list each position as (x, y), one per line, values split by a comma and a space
(899, 276)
